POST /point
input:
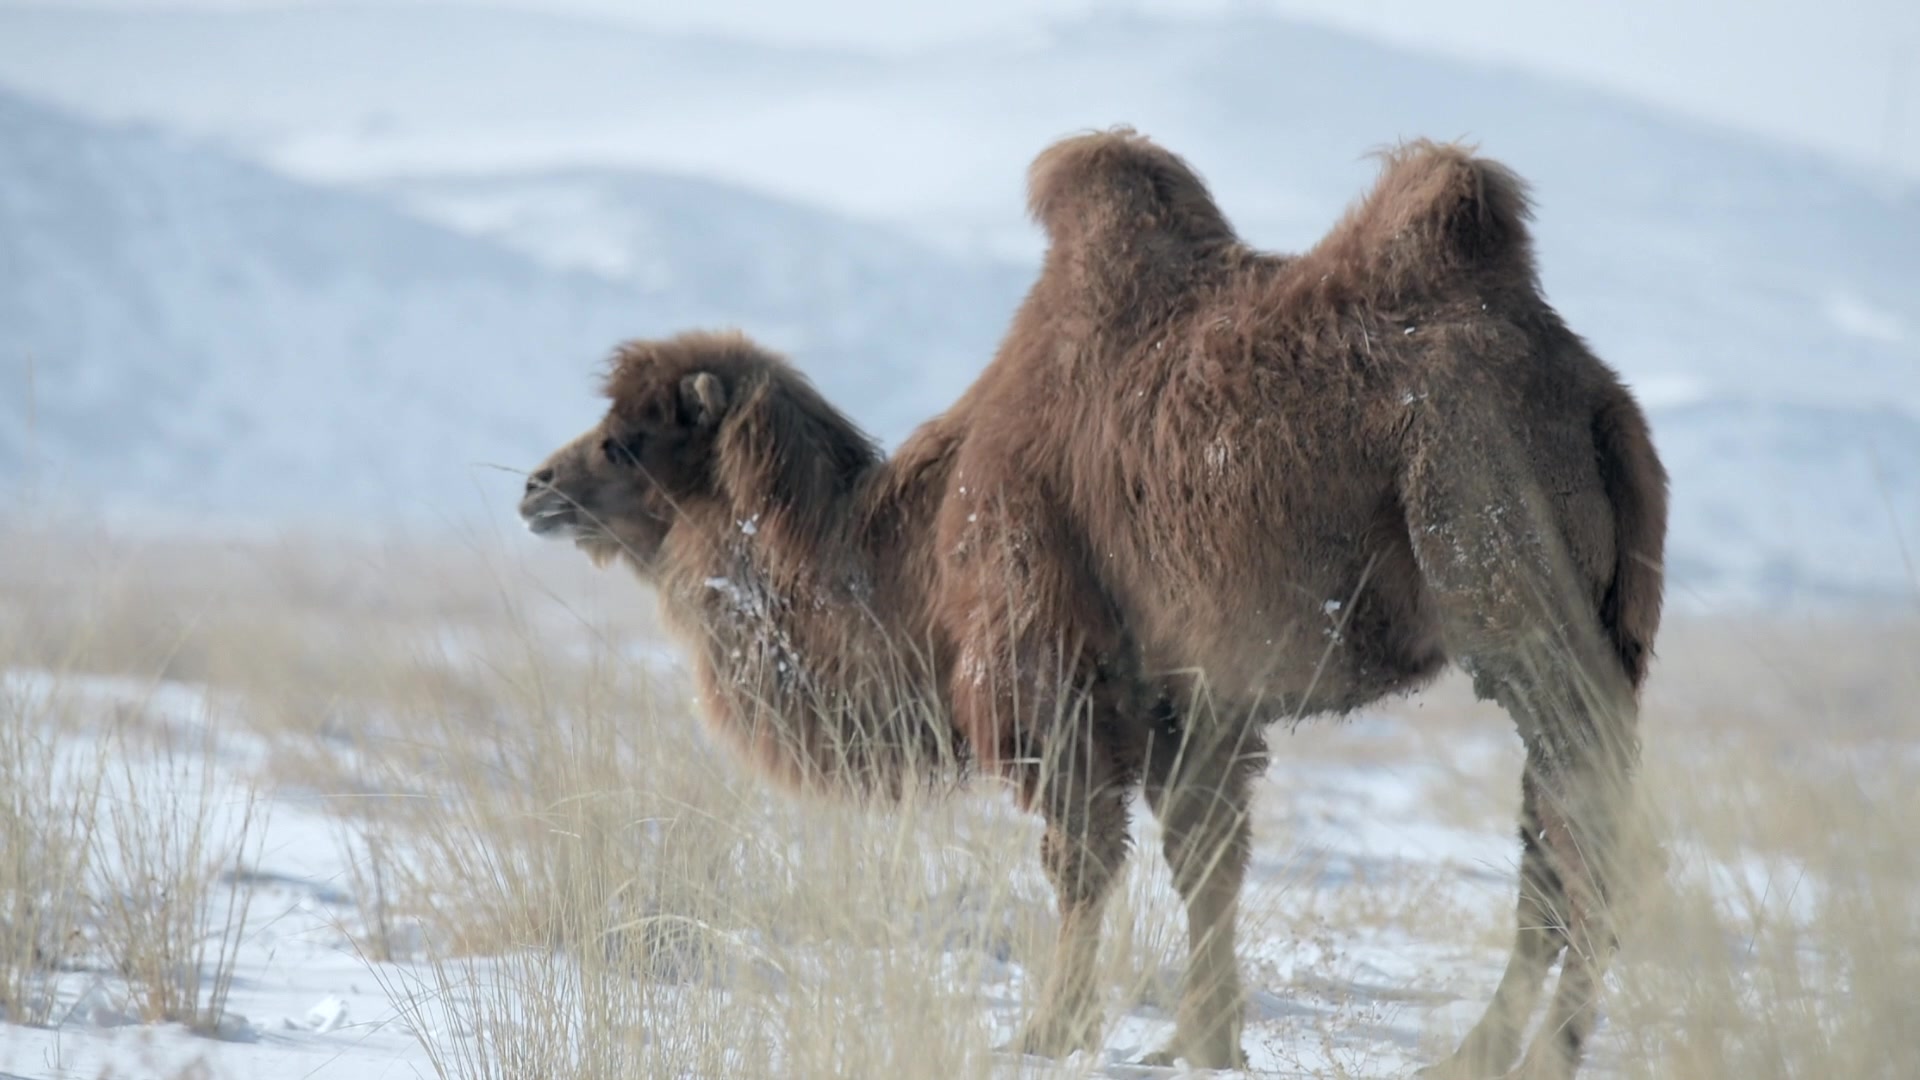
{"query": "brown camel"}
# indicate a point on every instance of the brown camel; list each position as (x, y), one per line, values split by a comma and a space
(791, 558)
(1199, 489)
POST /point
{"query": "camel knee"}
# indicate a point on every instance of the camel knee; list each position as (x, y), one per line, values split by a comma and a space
(1198, 766)
(1541, 912)
(1598, 863)
(1081, 868)
(1204, 833)
(1085, 844)
(1209, 853)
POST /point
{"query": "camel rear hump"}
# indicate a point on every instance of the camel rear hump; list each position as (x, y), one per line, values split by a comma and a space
(1437, 210)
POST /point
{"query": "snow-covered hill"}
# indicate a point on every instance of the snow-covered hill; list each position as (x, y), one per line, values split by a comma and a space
(608, 181)
(188, 332)
(1781, 502)
(193, 333)
(896, 326)
(1686, 252)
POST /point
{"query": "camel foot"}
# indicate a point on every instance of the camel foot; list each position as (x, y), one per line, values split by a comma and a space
(1533, 1068)
(1475, 1059)
(1454, 1068)
(1053, 1039)
(1543, 1064)
(1223, 1056)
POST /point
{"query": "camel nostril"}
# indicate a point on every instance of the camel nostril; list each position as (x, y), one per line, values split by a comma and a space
(541, 479)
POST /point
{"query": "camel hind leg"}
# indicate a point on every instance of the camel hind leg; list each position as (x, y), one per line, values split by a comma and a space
(1517, 615)
(1539, 937)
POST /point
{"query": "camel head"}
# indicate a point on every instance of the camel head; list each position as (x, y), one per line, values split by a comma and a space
(619, 487)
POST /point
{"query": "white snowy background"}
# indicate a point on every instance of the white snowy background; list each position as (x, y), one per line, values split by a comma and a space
(334, 259)
(326, 266)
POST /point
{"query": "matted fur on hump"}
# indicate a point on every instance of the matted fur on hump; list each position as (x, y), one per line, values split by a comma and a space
(1117, 182)
(1436, 209)
(1121, 210)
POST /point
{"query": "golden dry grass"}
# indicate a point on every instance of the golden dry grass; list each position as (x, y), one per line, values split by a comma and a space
(571, 882)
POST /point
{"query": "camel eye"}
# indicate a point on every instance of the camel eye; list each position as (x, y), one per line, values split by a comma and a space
(621, 452)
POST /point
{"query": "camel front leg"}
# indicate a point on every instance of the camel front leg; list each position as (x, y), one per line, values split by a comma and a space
(1039, 692)
(1199, 787)
(1041, 721)
(1083, 851)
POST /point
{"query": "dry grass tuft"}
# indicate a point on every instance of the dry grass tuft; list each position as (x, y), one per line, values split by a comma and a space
(171, 888)
(49, 805)
(558, 875)
(121, 858)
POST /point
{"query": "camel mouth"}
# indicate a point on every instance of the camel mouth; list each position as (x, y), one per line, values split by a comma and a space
(556, 523)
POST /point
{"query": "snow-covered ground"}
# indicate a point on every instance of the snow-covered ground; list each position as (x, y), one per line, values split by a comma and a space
(1374, 923)
(308, 1002)
(302, 1000)
(353, 264)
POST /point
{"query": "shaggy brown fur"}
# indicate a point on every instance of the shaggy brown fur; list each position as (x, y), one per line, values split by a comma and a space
(1213, 487)
(1199, 488)
(788, 555)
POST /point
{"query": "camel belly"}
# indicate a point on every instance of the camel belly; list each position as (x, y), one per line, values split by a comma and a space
(1314, 607)
(1300, 658)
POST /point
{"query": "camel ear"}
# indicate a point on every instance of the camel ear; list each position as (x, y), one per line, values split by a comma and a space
(703, 399)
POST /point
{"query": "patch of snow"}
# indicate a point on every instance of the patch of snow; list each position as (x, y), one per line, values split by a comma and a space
(292, 954)
(329, 1015)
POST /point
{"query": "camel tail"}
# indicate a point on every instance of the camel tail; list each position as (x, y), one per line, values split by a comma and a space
(1438, 209)
(1636, 485)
